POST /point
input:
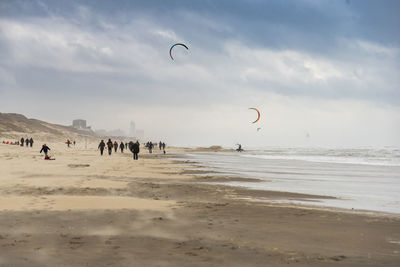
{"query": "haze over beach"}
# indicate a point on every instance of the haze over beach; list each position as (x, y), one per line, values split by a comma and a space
(236, 133)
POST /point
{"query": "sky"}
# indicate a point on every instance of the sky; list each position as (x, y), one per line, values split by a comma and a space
(323, 73)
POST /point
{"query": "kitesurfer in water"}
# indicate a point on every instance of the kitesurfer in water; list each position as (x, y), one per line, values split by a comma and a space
(101, 147)
(109, 146)
(239, 149)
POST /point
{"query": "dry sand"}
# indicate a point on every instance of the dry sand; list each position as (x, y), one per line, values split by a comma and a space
(85, 210)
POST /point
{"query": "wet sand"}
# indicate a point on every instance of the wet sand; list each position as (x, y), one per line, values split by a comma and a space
(85, 210)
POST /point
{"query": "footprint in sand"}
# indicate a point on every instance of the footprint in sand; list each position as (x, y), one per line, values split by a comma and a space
(78, 165)
(76, 242)
(338, 258)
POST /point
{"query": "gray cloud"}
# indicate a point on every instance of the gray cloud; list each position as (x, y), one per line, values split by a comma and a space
(110, 63)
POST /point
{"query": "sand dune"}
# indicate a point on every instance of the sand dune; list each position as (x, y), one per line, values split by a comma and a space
(14, 126)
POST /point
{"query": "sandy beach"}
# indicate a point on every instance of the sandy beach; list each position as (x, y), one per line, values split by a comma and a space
(280, 122)
(85, 210)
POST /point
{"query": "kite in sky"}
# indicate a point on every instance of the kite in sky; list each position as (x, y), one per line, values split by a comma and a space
(258, 112)
(170, 50)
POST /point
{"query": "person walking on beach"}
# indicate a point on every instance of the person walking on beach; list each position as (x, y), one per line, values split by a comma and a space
(115, 146)
(150, 147)
(31, 142)
(160, 145)
(45, 149)
(134, 147)
(126, 145)
(26, 142)
(74, 142)
(102, 145)
(130, 145)
(110, 146)
(122, 146)
(22, 141)
(68, 142)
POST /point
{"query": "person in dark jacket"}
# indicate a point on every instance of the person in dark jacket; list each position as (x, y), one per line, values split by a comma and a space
(68, 142)
(134, 147)
(110, 146)
(130, 146)
(31, 142)
(26, 142)
(102, 145)
(122, 146)
(22, 141)
(115, 146)
(150, 147)
(45, 149)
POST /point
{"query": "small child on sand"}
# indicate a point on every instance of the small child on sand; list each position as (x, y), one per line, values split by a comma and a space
(45, 149)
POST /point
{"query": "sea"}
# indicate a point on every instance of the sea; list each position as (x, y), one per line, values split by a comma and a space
(366, 179)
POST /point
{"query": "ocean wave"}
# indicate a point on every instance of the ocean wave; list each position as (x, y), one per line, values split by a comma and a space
(378, 157)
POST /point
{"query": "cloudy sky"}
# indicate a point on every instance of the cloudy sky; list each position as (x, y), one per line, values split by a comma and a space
(328, 69)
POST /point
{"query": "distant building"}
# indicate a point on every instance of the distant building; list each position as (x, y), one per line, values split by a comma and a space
(132, 129)
(80, 125)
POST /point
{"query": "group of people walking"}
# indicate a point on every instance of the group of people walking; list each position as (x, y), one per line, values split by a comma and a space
(149, 145)
(133, 147)
(28, 142)
(161, 145)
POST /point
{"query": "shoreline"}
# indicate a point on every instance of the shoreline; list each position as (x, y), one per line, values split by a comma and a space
(191, 168)
(169, 217)
(335, 182)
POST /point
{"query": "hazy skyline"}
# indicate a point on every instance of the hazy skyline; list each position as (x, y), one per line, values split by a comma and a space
(327, 69)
